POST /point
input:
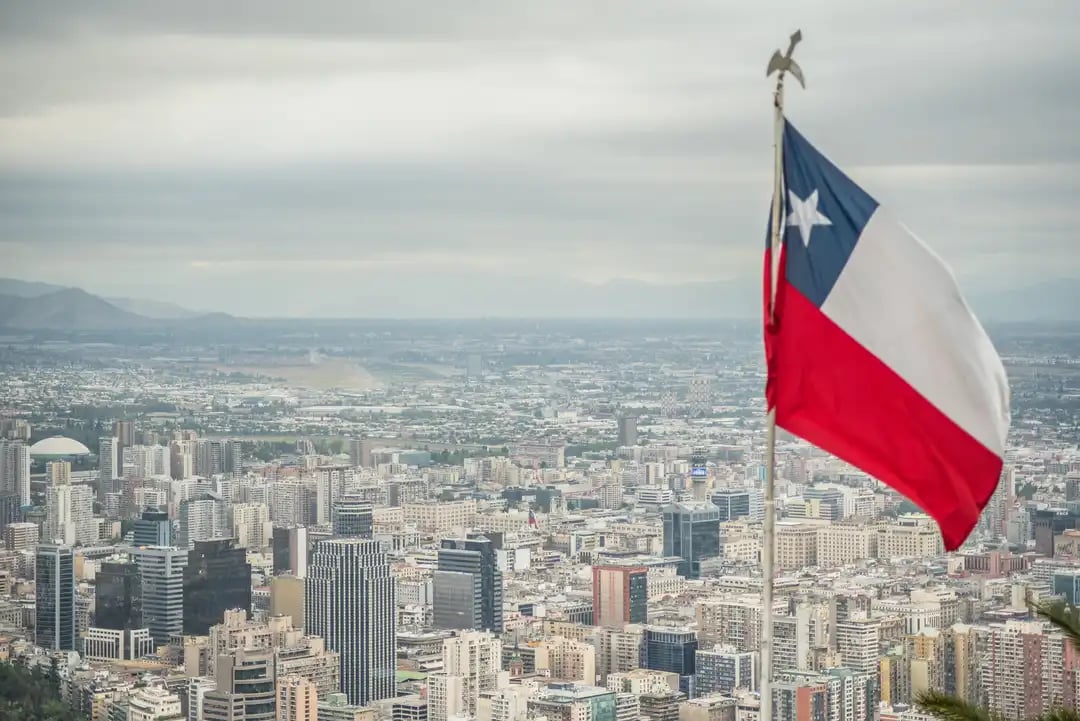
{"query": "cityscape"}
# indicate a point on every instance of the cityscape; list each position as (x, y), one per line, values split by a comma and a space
(501, 521)
(665, 360)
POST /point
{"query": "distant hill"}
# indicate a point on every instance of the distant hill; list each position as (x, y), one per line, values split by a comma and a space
(138, 306)
(68, 309)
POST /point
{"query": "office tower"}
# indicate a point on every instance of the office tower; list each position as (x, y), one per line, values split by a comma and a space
(723, 669)
(15, 464)
(352, 517)
(296, 699)
(202, 519)
(153, 528)
(359, 450)
(351, 601)
(467, 585)
(161, 574)
(251, 526)
(109, 468)
(154, 703)
(732, 503)
(217, 579)
(627, 431)
(826, 503)
(279, 546)
(673, 650)
(620, 595)
(124, 432)
(244, 688)
(210, 457)
(118, 596)
(234, 456)
(691, 532)
(54, 581)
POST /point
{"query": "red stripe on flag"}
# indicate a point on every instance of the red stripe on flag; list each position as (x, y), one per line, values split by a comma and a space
(834, 393)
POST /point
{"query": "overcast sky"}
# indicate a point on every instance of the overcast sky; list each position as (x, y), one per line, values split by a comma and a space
(416, 157)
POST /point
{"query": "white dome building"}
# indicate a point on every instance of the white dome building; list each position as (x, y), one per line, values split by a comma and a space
(58, 447)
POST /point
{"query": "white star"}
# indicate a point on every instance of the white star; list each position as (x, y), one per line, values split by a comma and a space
(805, 215)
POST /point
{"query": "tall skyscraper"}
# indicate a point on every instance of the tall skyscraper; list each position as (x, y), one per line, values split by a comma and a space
(124, 432)
(153, 528)
(351, 601)
(161, 572)
(691, 532)
(467, 586)
(15, 469)
(109, 470)
(352, 517)
(627, 431)
(69, 513)
(359, 450)
(118, 596)
(54, 581)
(217, 579)
(620, 595)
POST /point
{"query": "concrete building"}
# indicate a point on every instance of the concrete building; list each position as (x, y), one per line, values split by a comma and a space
(297, 699)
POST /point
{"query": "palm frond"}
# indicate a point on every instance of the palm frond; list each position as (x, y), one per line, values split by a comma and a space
(950, 708)
(1063, 616)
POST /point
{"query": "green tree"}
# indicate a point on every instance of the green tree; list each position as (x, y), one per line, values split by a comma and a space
(1065, 618)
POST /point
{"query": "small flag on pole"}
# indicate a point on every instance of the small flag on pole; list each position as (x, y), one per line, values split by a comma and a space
(873, 355)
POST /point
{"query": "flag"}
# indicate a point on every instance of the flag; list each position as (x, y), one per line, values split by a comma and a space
(873, 355)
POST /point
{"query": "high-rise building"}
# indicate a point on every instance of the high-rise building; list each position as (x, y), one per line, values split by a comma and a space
(251, 525)
(472, 664)
(161, 575)
(15, 464)
(245, 689)
(360, 452)
(673, 650)
(54, 582)
(124, 432)
(620, 595)
(118, 596)
(21, 536)
(109, 469)
(467, 585)
(857, 642)
(351, 601)
(732, 503)
(203, 518)
(1022, 672)
(573, 702)
(58, 473)
(217, 579)
(691, 532)
(628, 431)
(69, 513)
(723, 669)
(352, 517)
(153, 528)
(297, 699)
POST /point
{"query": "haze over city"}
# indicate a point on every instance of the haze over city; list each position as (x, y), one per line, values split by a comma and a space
(397, 159)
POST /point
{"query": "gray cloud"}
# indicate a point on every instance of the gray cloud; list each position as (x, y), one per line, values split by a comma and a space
(224, 151)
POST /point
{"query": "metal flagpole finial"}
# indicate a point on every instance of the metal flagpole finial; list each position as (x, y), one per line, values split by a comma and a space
(785, 63)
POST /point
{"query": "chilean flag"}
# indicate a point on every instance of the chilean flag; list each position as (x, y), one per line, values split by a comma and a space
(873, 355)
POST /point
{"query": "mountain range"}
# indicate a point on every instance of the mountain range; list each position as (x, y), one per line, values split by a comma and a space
(42, 306)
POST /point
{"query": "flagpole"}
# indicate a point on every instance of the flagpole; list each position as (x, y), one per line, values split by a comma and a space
(782, 64)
